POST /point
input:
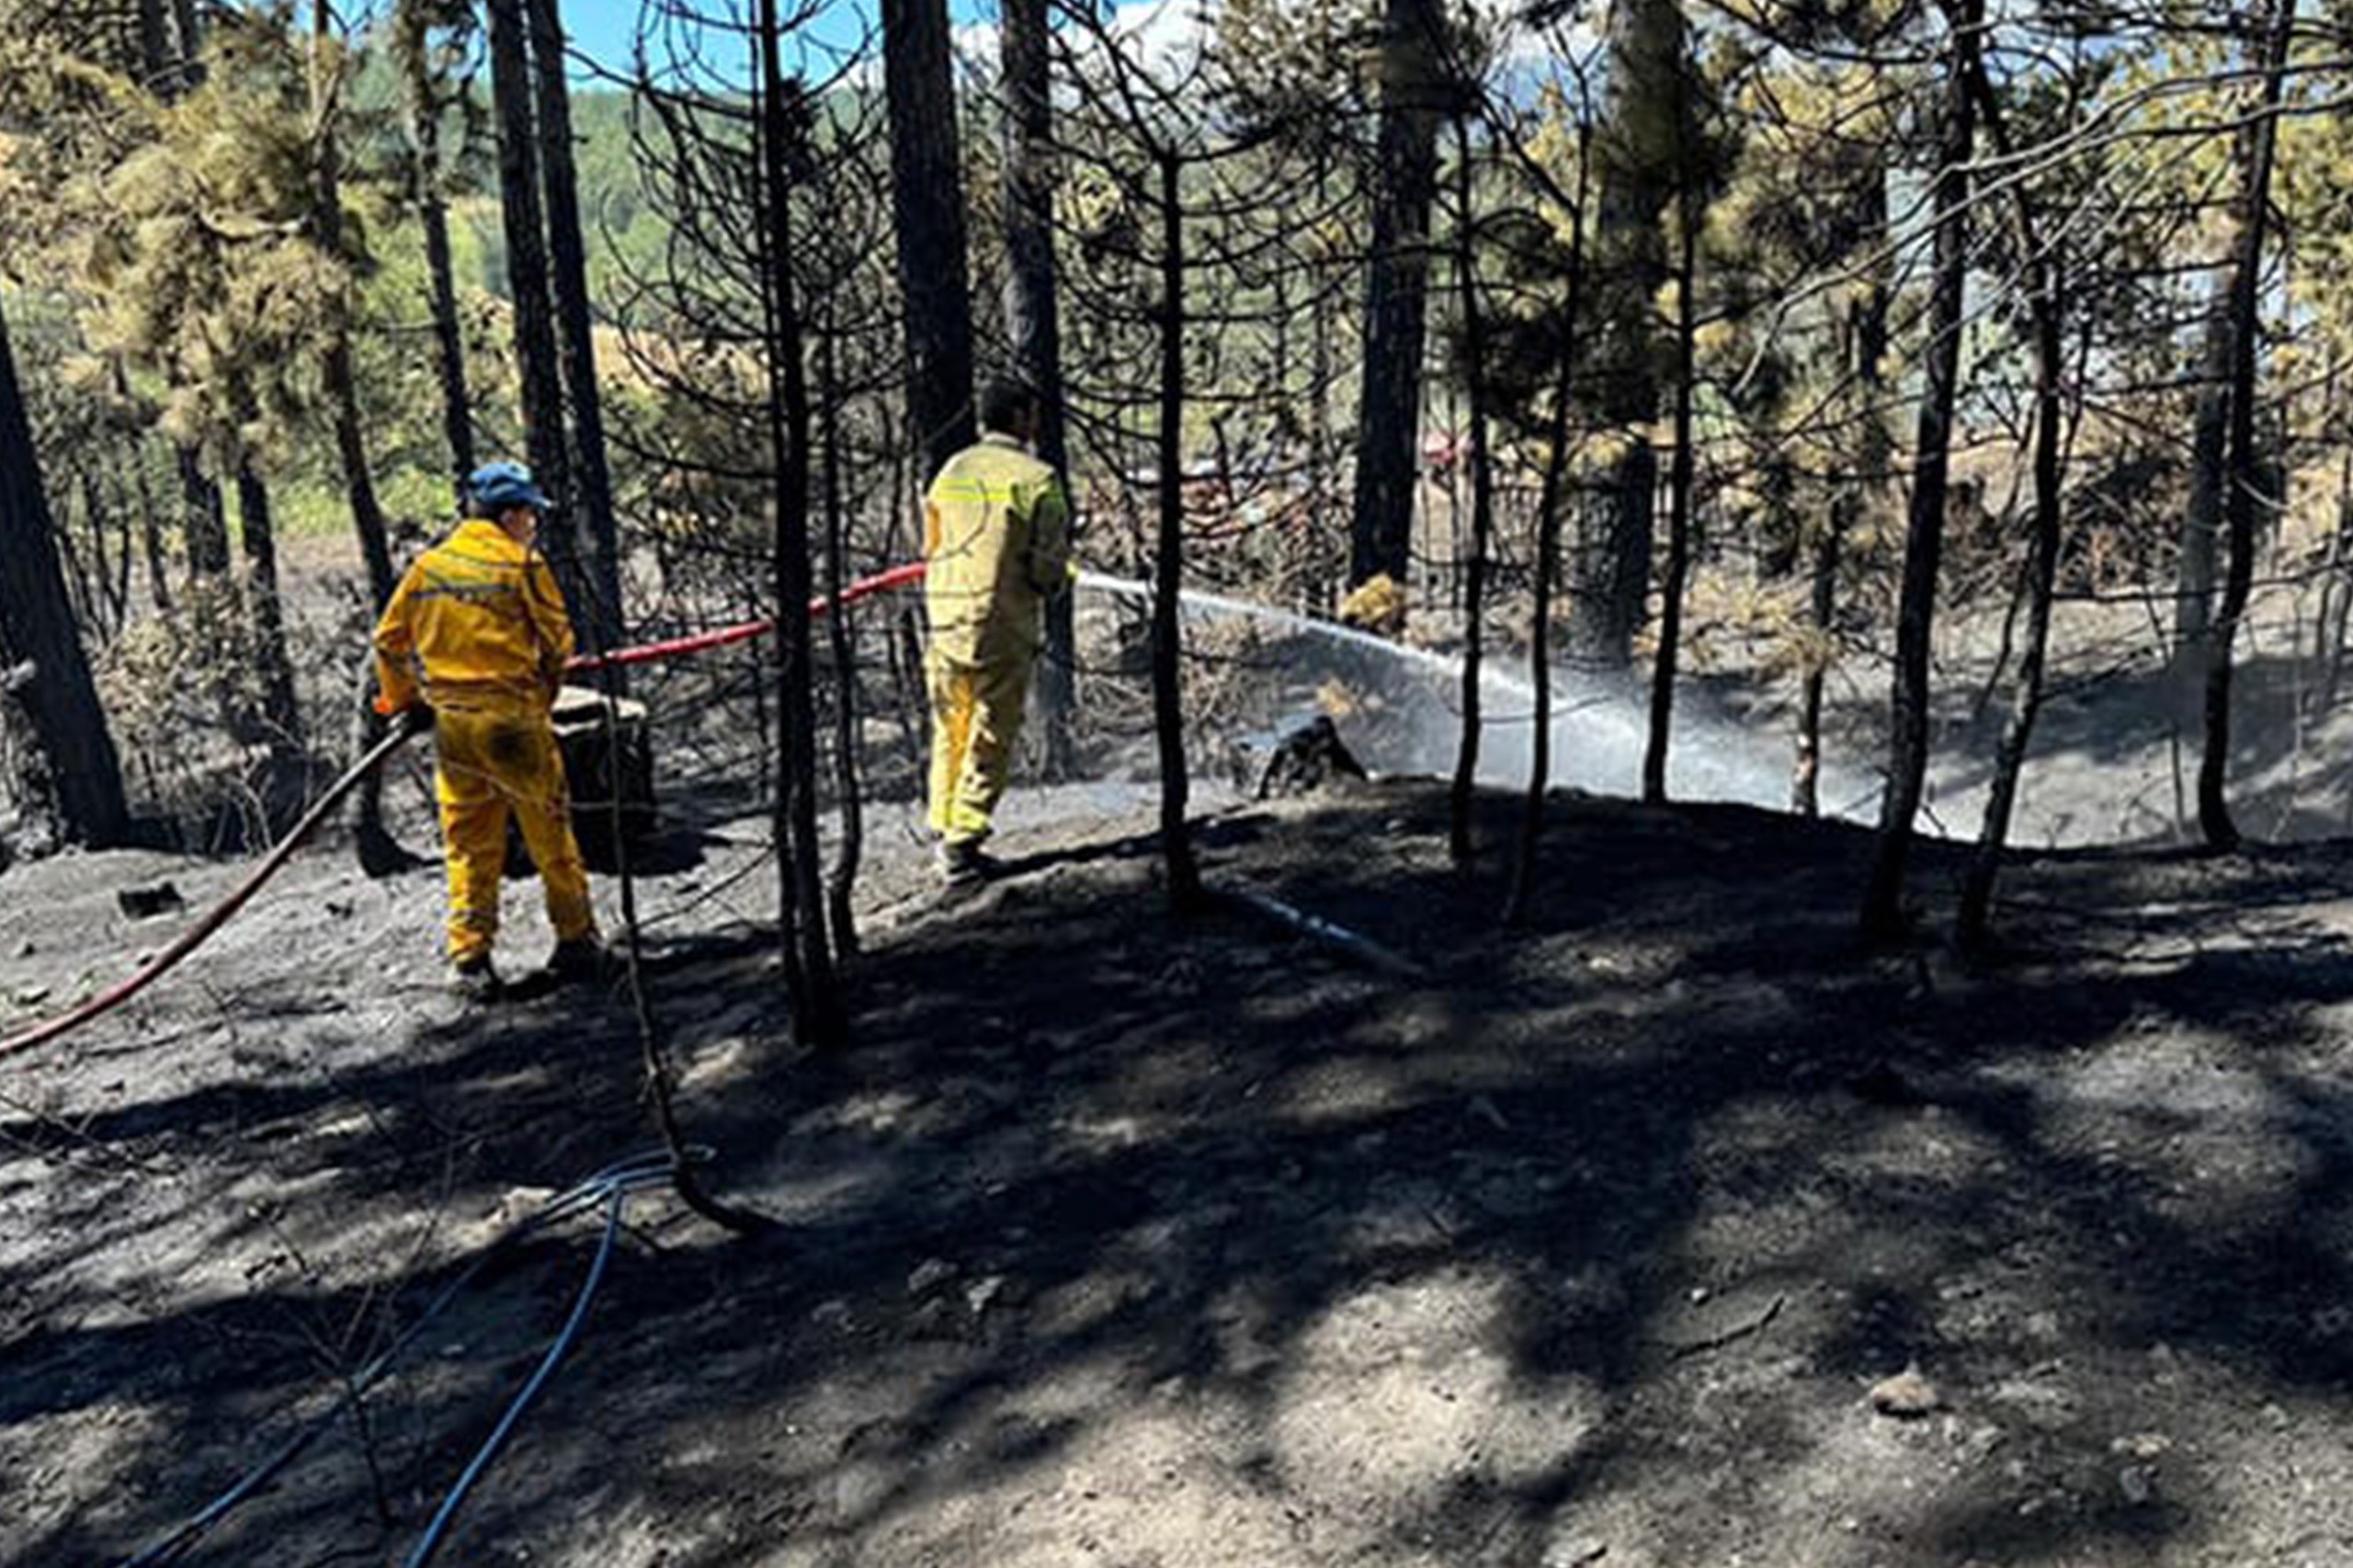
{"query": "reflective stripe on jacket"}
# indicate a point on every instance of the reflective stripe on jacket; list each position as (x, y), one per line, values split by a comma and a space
(480, 618)
(996, 535)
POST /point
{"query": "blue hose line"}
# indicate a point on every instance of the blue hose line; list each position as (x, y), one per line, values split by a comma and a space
(430, 1543)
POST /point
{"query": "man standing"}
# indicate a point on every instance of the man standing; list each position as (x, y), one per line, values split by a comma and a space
(478, 630)
(996, 541)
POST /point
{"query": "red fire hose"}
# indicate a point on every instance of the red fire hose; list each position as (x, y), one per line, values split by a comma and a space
(703, 641)
(324, 807)
(217, 915)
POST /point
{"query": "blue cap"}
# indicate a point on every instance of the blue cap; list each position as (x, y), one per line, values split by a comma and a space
(497, 486)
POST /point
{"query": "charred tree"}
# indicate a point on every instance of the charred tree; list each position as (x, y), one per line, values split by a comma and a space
(1907, 766)
(1168, 553)
(281, 715)
(1681, 482)
(1397, 292)
(204, 525)
(1033, 320)
(342, 381)
(1864, 357)
(590, 497)
(2046, 308)
(841, 885)
(817, 1018)
(424, 104)
(526, 273)
(1482, 493)
(1639, 153)
(56, 696)
(928, 201)
(2245, 477)
(154, 44)
(1551, 499)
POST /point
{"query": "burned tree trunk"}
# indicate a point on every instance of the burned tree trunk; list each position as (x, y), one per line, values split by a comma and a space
(591, 498)
(56, 696)
(1865, 357)
(2046, 306)
(1883, 913)
(1679, 523)
(1483, 498)
(2042, 571)
(1397, 293)
(841, 887)
(154, 43)
(1551, 499)
(2243, 470)
(1169, 555)
(204, 528)
(927, 199)
(422, 107)
(526, 273)
(151, 539)
(1640, 151)
(342, 382)
(817, 1018)
(341, 378)
(257, 531)
(1033, 321)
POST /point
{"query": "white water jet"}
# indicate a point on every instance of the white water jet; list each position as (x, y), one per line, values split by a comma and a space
(1600, 724)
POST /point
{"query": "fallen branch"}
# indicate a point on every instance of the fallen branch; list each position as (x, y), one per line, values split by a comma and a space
(1757, 1324)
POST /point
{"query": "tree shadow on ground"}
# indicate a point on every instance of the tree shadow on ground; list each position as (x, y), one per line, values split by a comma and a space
(1599, 1234)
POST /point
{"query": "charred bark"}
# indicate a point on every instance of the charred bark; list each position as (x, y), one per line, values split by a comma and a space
(1397, 293)
(1682, 480)
(57, 697)
(1550, 500)
(541, 383)
(817, 1018)
(590, 497)
(1883, 912)
(2244, 470)
(1033, 323)
(927, 202)
(1185, 891)
(1483, 498)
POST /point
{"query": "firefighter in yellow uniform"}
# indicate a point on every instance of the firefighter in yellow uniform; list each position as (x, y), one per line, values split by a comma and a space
(478, 630)
(996, 541)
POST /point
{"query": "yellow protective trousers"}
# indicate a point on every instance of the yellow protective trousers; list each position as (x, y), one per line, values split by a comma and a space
(494, 764)
(975, 720)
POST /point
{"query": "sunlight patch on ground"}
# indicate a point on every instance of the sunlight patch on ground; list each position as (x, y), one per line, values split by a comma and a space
(1399, 1395)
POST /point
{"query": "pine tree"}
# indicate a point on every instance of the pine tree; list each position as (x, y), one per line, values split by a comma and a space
(427, 98)
(43, 670)
(1033, 317)
(1882, 918)
(1396, 304)
(1647, 125)
(927, 195)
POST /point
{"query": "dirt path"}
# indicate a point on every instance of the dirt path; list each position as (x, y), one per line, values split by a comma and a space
(1116, 1242)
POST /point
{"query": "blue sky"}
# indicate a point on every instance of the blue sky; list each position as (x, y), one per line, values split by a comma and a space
(604, 29)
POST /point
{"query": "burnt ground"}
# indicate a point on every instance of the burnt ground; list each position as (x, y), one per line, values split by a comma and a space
(1113, 1239)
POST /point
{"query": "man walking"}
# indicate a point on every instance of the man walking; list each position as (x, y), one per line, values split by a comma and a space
(474, 641)
(996, 541)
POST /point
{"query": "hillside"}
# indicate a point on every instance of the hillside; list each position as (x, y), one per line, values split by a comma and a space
(1118, 1241)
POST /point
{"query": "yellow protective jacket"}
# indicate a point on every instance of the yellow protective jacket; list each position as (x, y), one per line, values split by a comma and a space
(481, 620)
(997, 536)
